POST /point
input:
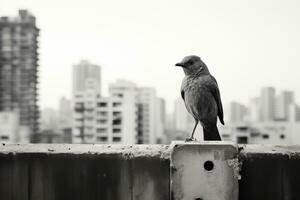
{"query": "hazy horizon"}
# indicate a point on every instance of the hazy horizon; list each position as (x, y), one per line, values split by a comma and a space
(246, 45)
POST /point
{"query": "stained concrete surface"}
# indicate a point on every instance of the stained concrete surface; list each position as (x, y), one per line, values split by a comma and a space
(269, 172)
(32, 173)
(205, 171)
(136, 172)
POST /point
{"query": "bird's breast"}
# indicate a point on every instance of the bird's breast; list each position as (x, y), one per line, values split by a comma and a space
(198, 99)
(192, 85)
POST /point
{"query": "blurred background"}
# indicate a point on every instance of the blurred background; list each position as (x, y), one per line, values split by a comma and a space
(103, 71)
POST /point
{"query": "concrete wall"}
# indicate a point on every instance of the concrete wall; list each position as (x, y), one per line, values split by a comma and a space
(269, 172)
(193, 171)
(83, 172)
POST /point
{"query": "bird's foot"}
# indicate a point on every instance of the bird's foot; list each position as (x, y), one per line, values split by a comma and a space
(190, 139)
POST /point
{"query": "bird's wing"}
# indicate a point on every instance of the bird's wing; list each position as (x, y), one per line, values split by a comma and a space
(183, 84)
(216, 93)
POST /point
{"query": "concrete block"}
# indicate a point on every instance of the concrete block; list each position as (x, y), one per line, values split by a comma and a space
(204, 171)
(269, 172)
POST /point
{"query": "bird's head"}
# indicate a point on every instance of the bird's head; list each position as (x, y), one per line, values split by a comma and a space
(193, 65)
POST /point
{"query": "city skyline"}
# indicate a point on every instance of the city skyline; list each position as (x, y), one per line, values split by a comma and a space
(269, 106)
(132, 46)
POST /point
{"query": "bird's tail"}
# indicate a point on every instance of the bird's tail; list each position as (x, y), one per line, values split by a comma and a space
(211, 133)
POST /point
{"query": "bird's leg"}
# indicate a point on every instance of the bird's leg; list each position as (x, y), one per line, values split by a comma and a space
(192, 136)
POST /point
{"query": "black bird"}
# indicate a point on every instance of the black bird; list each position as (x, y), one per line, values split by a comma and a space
(201, 96)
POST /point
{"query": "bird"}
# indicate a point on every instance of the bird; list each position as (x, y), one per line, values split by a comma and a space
(201, 96)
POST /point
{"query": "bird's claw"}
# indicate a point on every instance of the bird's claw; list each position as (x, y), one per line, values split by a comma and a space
(190, 139)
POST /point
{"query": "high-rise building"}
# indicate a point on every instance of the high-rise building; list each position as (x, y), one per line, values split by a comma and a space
(84, 116)
(160, 123)
(237, 112)
(283, 102)
(126, 92)
(146, 103)
(86, 71)
(19, 72)
(106, 120)
(267, 104)
(253, 113)
(9, 123)
(294, 113)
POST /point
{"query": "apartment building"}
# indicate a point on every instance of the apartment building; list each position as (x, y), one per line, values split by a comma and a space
(19, 73)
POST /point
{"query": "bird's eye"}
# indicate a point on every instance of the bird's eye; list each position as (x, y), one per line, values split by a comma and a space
(191, 62)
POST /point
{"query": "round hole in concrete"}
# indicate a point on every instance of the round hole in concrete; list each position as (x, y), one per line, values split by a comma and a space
(208, 165)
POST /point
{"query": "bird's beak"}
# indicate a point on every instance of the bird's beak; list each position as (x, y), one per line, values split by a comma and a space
(179, 64)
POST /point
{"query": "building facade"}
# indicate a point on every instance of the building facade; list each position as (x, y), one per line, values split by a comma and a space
(147, 102)
(237, 112)
(283, 103)
(105, 119)
(146, 107)
(267, 104)
(19, 72)
(127, 116)
(83, 71)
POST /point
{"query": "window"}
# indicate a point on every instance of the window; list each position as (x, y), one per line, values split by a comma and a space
(116, 114)
(102, 104)
(117, 121)
(242, 128)
(117, 104)
(116, 130)
(242, 140)
(265, 136)
(101, 130)
(89, 110)
(254, 133)
(116, 139)
(102, 113)
(79, 107)
(102, 139)
(226, 135)
(102, 121)
(4, 137)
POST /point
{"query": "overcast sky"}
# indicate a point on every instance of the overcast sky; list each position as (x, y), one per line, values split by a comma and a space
(246, 44)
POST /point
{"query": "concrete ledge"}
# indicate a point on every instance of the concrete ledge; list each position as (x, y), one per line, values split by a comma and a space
(291, 151)
(54, 172)
(160, 172)
(128, 151)
(269, 172)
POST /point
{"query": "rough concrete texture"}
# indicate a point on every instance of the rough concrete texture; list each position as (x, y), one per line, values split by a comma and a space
(204, 171)
(128, 151)
(138, 172)
(269, 172)
(77, 172)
